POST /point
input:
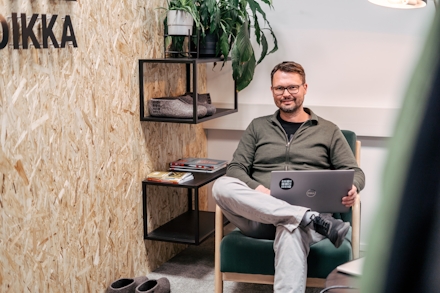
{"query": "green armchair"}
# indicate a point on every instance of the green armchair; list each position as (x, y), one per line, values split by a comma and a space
(235, 253)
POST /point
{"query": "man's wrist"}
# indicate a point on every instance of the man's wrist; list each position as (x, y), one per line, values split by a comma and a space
(253, 184)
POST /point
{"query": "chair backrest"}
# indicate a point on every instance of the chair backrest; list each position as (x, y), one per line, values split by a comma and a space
(351, 138)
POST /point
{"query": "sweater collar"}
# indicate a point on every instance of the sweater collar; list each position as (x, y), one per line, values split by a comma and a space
(313, 117)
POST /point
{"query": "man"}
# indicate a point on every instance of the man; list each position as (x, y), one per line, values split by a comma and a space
(293, 138)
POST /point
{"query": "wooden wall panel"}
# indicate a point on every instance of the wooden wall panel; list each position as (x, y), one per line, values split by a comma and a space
(73, 152)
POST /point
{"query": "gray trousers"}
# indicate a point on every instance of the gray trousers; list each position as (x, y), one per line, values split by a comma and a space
(260, 215)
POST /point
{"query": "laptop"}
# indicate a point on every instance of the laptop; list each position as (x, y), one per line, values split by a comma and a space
(353, 267)
(320, 190)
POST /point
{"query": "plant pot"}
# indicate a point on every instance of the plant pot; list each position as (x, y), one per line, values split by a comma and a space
(179, 23)
(207, 46)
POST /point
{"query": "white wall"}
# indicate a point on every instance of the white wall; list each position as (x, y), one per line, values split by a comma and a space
(358, 58)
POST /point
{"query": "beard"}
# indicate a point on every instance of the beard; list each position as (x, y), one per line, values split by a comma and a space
(294, 107)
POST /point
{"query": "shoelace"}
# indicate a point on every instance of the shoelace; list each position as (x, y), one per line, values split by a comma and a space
(321, 226)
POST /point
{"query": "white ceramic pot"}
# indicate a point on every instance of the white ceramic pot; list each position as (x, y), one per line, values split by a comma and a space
(179, 22)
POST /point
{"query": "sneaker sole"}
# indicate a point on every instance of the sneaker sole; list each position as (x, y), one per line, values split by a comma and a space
(341, 234)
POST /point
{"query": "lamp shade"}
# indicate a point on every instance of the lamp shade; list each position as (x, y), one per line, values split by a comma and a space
(402, 4)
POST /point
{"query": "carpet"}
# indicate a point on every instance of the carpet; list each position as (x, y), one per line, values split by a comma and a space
(192, 271)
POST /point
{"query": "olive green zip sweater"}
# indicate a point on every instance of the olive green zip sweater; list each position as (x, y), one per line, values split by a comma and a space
(264, 147)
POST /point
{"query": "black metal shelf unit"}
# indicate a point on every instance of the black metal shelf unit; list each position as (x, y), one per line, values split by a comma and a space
(191, 227)
(191, 66)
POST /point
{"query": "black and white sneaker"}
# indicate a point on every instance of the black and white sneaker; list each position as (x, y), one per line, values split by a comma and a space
(334, 229)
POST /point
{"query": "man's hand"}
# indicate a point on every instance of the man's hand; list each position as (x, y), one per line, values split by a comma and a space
(349, 200)
(262, 189)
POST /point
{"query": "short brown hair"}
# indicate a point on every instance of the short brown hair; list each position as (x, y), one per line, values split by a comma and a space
(289, 66)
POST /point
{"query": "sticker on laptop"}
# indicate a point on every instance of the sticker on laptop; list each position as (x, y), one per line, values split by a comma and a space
(286, 183)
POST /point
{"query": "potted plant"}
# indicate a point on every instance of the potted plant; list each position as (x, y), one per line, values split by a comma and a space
(232, 25)
(175, 31)
(181, 15)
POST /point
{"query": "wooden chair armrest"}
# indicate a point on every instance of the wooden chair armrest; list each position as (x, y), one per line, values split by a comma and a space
(357, 153)
(356, 212)
(356, 229)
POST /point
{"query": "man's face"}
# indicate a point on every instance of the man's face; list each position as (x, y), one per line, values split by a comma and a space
(286, 101)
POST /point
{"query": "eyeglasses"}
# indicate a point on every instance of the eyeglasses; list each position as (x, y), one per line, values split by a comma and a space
(292, 89)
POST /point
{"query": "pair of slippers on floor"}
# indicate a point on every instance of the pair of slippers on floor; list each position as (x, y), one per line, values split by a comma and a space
(140, 285)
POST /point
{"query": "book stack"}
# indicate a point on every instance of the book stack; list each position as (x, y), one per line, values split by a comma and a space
(170, 177)
(204, 165)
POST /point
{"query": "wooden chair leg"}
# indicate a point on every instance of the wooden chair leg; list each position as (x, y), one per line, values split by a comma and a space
(218, 239)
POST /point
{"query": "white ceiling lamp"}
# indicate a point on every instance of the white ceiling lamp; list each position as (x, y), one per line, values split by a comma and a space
(403, 4)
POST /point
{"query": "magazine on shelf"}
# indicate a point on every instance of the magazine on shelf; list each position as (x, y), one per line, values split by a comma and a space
(170, 176)
(199, 163)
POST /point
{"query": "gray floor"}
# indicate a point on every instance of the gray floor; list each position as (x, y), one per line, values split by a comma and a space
(192, 270)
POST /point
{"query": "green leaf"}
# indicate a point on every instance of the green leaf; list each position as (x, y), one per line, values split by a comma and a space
(257, 8)
(223, 44)
(243, 58)
(247, 74)
(275, 43)
(264, 49)
(257, 30)
(243, 43)
(212, 6)
(268, 2)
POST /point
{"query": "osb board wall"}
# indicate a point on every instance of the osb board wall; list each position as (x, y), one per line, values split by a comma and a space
(73, 151)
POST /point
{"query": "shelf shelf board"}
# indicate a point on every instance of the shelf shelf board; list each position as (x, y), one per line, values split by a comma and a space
(200, 179)
(182, 228)
(219, 113)
(184, 60)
